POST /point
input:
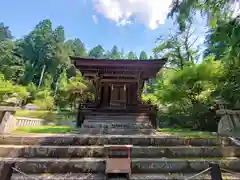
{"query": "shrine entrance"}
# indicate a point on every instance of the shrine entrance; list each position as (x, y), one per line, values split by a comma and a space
(118, 96)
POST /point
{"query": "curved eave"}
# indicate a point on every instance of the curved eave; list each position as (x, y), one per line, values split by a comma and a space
(93, 62)
(148, 68)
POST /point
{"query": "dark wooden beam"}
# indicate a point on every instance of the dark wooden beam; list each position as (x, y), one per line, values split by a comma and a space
(119, 75)
(119, 80)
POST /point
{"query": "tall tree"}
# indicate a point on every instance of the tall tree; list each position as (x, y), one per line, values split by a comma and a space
(97, 52)
(77, 47)
(225, 35)
(143, 55)
(43, 49)
(212, 9)
(5, 33)
(178, 48)
(12, 66)
(132, 55)
(122, 54)
(115, 54)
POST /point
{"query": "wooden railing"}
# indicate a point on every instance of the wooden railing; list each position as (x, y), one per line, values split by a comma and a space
(24, 121)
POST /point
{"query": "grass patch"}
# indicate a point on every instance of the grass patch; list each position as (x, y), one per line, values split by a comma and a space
(33, 113)
(56, 117)
(187, 132)
(43, 114)
(43, 129)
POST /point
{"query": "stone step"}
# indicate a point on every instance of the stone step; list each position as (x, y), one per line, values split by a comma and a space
(99, 151)
(92, 113)
(116, 122)
(113, 120)
(97, 165)
(113, 131)
(139, 140)
(116, 125)
(90, 176)
(118, 116)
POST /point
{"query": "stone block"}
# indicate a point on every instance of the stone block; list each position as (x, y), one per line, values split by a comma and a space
(138, 140)
(142, 176)
(97, 165)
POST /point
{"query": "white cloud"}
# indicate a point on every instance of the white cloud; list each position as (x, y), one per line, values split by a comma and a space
(236, 9)
(95, 19)
(151, 13)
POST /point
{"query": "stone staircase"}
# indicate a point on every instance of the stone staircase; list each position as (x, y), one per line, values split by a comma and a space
(131, 123)
(82, 157)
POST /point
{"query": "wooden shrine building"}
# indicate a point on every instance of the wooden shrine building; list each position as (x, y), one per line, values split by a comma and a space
(118, 83)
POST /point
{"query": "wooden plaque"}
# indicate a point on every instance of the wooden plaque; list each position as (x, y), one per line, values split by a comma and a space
(118, 159)
(118, 165)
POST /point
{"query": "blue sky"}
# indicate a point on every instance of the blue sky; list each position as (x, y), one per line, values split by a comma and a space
(115, 22)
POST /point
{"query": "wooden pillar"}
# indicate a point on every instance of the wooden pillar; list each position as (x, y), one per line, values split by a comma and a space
(105, 94)
(128, 93)
(139, 88)
(98, 87)
(134, 94)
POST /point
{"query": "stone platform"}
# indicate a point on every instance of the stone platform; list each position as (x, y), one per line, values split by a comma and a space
(153, 157)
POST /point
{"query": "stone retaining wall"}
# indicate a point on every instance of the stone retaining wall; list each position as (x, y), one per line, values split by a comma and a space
(9, 122)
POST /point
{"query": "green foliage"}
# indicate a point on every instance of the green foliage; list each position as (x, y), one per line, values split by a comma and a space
(11, 65)
(77, 47)
(97, 52)
(50, 117)
(143, 55)
(46, 103)
(8, 90)
(187, 92)
(73, 91)
(114, 54)
(185, 10)
(132, 55)
(187, 133)
(5, 33)
(44, 129)
(178, 48)
(36, 68)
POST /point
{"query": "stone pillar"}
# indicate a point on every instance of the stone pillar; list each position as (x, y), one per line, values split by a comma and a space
(8, 121)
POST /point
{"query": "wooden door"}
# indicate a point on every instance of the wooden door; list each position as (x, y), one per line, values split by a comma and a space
(118, 96)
